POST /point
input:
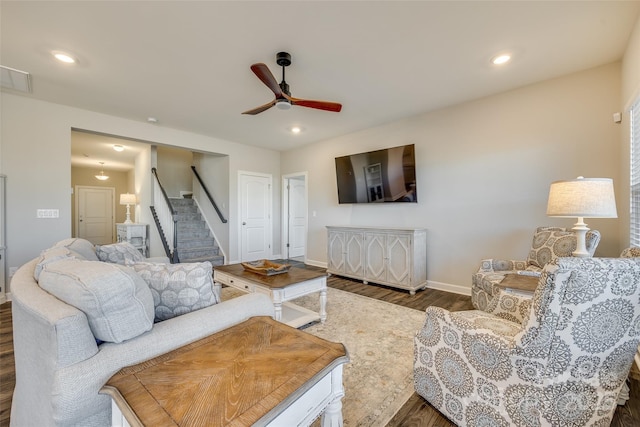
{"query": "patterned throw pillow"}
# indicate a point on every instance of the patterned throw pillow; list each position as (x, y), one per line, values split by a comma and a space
(119, 253)
(549, 244)
(178, 288)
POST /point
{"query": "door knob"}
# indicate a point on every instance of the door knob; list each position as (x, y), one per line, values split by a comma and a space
(244, 223)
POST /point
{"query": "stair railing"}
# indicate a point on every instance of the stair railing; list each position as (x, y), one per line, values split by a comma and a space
(206, 191)
(165, 219)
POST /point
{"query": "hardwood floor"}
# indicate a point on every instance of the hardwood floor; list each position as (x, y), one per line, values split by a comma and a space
(415, 413)
(7, 368)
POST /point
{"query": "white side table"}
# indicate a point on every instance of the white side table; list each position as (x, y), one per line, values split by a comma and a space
(136, 234)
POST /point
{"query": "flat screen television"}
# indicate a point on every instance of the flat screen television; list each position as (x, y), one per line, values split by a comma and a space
(380, 176)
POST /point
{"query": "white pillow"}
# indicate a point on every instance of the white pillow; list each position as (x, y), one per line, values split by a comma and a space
(117, 302)
(54, 254)
(178, 288)
(83, 248)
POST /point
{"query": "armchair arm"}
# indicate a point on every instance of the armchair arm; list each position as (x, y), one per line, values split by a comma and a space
(512, 306)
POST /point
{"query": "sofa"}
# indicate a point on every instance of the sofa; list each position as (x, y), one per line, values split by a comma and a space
(67, 343)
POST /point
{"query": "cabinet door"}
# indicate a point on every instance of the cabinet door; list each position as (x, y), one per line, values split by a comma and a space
(335, 255)
(354, 254)
(376, 254)
(399, 259)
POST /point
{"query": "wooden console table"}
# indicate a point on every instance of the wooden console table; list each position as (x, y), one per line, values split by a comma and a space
(257, 373)
(281, 288)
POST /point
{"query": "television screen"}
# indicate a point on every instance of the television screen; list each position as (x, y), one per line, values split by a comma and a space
(379, 176)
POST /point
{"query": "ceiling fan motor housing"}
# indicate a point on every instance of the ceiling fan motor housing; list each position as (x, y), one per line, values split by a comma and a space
(283, 59)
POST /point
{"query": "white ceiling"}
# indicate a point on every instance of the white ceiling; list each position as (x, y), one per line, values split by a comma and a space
(187, 63)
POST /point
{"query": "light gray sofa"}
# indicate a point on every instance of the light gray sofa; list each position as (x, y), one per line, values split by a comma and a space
(60, 367)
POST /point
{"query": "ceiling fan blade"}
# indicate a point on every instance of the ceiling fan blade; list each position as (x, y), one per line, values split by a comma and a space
(261, 108)
(319, 105)
(263, 73)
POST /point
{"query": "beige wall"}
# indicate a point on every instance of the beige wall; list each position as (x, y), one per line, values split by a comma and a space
(483, 171)
(174, 170)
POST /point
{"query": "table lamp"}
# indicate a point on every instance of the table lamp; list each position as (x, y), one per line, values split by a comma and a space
(128, 199)
(582, 198)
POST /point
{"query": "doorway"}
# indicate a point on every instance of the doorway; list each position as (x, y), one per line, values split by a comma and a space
(294, 190)
(255, 216)
(95, 219)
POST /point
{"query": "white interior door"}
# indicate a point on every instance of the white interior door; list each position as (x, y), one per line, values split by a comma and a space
(255, 216)
(95, 213)
(296, 216)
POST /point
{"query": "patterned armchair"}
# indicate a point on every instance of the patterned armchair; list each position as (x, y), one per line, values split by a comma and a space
(548, 244)
(563, 367)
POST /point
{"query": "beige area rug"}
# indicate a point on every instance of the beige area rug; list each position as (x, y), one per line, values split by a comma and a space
(379, 338)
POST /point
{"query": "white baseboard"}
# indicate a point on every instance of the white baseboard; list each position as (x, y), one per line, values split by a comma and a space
(448, 287)
(315, 263)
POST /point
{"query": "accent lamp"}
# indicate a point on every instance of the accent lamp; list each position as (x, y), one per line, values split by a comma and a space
(128, 199)
(582, 198)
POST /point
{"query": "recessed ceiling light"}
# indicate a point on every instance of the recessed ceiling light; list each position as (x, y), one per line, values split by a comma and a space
(296, 129)
(118, 148)
(152, 120)
(64, 57)
(501, 59)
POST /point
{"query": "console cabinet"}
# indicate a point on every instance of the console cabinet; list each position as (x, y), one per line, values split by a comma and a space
(388, 256)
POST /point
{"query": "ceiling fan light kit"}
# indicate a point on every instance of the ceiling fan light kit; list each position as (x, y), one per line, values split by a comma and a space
(283, 99)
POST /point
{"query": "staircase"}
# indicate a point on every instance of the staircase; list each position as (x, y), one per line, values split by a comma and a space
(195, 242)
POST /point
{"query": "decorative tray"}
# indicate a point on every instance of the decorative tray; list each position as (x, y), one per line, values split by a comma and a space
(265, 267)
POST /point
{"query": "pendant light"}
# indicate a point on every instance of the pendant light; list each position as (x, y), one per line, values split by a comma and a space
(102, 176)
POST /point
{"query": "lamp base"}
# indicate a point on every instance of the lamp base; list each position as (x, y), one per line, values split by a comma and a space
(128, 220)
(580, 229)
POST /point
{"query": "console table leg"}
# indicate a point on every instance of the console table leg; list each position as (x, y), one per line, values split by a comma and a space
(332, 416)
(278, 311)
(323, 305)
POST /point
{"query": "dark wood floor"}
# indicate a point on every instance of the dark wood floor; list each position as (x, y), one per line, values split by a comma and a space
(415, 413)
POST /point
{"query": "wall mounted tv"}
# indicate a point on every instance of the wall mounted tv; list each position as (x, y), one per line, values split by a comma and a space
(379, 176)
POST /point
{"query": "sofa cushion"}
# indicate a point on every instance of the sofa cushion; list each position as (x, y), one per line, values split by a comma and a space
(178, 288)
(549, 244)
(83, 248)
(119, 253)
(54, 254)
(117, 302)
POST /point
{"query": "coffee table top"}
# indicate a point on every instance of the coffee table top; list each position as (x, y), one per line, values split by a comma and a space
(293, 276)
(240, 375)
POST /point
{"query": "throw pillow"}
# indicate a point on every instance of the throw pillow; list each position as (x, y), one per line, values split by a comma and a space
(117, 302)
(549, 244)
(81, 247)
(54, 254)
(119, 253)
(178, 288)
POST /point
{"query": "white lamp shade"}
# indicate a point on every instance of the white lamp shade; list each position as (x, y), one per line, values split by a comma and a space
(582, 198)
(127, 199)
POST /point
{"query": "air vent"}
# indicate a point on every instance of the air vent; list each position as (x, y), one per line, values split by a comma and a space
(15, 79)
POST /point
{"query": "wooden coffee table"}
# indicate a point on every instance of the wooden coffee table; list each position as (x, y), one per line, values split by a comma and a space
(281, 288)
(257, 373)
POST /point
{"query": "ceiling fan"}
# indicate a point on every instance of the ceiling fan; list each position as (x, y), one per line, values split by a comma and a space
(283, 99)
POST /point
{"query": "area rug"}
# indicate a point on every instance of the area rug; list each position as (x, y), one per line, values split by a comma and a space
(379, 338)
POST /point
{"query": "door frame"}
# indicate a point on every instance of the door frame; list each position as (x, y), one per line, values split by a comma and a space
(285, 211)
(269, 210)
(76, 206)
